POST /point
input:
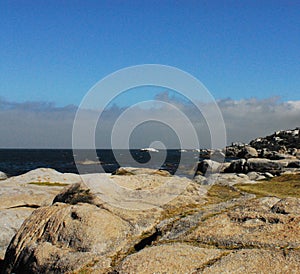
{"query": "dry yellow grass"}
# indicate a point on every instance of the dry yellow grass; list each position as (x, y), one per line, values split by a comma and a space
(283, 186)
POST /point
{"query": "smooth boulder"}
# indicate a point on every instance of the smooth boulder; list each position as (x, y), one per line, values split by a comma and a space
(263, 165)
(3, 176)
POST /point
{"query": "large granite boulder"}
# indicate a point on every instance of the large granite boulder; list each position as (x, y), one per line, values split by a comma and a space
(225, 179)
(237, 166)
(256, 165)
(263, 165)
(20, 195)
(63, 237)
(84, 230)
(209, 166)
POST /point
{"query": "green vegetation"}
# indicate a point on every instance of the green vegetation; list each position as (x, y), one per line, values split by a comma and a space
(283, 186)
(48, 184)
(219, 193)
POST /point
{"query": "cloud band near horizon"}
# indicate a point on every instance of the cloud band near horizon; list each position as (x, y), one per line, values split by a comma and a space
(43, 125)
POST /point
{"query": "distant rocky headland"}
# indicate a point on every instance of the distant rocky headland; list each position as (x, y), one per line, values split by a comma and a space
(263, 157)
(241, 216)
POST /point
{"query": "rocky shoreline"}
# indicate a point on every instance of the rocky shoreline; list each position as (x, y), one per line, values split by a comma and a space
(236, 217)
(268, 156)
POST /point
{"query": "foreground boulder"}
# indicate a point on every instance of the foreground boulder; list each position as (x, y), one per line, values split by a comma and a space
(22, 194)
(61, 237)
(81, 231)
(215, 229)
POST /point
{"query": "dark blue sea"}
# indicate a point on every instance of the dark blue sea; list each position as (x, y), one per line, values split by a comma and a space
(18, 161)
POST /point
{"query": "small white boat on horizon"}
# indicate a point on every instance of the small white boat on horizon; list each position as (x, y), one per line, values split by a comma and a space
(149, 149)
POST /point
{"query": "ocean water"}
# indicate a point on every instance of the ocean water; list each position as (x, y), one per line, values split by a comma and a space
(18, 161)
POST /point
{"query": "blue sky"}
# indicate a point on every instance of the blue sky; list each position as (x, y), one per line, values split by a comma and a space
(55, 51)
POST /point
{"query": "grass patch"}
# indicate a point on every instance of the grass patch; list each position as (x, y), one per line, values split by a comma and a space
(180, 211)
(48, 184)
(283, 186)
(219, 193)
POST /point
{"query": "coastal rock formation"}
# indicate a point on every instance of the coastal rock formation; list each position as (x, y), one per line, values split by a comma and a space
(201, 230)
(284, 144)
(280, 141)
(226, 179)
(3, 176)
(247, 152)
(209, 166)
(257, 165)
(241, 151)
(136, 171)
(21, 195)
(147, 221)
(81, 230)
(263, 165)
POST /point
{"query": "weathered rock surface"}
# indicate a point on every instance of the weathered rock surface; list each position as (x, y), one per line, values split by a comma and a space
(252, 224)
(81, 232)
(37, 187)
(257, 165)
(209, 166)
(139, 171)
(237, 166)
(20, 195)
(228, 179)
(3, 176)
(247, 152)
(257, 261)
(288, 205)
(64, 237)
(11, 220)
(256, 176)
(263, 165)
(169, 258)
(279, 141)
(241, 151)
